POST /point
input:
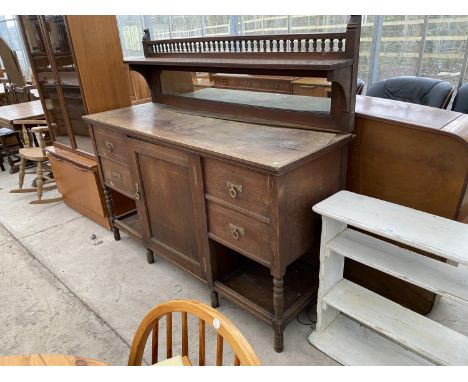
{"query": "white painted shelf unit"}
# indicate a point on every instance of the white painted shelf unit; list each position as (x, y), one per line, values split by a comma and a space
(356, 326)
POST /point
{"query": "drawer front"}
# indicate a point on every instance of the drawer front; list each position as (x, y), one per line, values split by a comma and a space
(117, 177)
(111, 144)
(239, 232)
(225, 82)
(277, 86)
(248, 83)
(310, 90)
(237, 185)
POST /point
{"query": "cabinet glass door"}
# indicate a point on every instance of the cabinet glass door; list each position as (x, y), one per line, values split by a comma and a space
(69, 82)
(55, 113)
(46, 81)
(61, 51)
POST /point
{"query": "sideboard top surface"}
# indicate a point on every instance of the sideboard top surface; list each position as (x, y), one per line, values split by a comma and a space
(268, 148)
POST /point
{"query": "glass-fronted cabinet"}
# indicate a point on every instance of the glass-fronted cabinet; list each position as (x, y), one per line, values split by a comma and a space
(73, 81)
(57, 76)
(46, 79)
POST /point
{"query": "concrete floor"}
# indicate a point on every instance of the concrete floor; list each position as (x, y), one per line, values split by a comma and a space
(61, 292)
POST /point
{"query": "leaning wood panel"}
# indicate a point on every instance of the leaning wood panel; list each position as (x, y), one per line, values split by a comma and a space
(99, 60)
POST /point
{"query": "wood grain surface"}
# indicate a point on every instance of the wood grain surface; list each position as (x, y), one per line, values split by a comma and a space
(266, 147)
(49, 360)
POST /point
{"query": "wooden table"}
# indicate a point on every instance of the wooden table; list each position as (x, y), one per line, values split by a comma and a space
(25, 110)
(49, 360)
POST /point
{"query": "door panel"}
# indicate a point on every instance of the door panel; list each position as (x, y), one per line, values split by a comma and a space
(171, 204)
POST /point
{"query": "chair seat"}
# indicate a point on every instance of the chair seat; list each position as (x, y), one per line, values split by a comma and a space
(175, 361)
(33, 153)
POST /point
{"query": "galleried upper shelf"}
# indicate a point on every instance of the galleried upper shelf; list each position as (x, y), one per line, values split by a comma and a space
(258, 78)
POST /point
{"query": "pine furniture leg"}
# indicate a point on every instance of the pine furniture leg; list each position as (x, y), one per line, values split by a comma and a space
(278, 305)
(22, 170)
(39, 180)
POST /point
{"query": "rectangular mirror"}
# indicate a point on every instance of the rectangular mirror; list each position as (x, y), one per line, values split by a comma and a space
(288, 93)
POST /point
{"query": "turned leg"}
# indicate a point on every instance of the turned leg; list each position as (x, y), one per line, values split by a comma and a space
(39, 180)
(22, 170)
(214, 299)
(278, 305)
(149, 256)
(110, 209)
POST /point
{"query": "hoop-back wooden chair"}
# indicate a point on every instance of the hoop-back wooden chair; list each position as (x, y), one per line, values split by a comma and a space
(226, 331)
(37, 155)
(19, 94)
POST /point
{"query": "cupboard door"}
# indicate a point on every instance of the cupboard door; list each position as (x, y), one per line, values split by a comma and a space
(170, 203)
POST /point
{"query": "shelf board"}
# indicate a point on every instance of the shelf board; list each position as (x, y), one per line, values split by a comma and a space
(130, 224)
(252, 285)
(241, 61)
(442, 237)
(417, 333)
(436, 276)
(350, 343)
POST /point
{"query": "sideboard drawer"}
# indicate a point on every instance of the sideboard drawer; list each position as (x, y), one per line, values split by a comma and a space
(237, 185)
(117, 177)
(277, 86)
(310, 90)
(111, 144)
(239, 232)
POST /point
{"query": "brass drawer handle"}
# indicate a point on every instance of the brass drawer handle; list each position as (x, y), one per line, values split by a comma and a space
(234, 189)
(109, 146)
(116, 175)
(308, 86)
(236, 231)
(137, 192)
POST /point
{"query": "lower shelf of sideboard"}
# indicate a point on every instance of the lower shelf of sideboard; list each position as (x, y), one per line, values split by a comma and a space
(251, 287)
(130, 224)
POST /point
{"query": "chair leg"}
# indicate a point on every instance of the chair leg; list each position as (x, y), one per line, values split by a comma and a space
(39, 180)
(22, 170)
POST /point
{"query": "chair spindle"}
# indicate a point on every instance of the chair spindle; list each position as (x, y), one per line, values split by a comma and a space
(184, 335)
(219, 350)
(169, 335)
(154, 343)
(201, 342)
